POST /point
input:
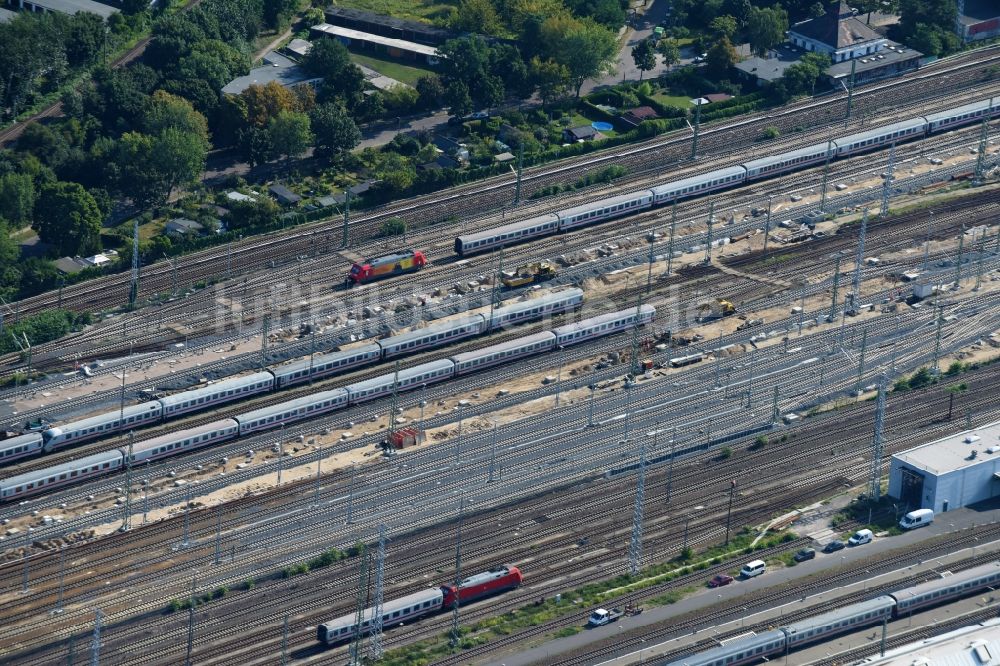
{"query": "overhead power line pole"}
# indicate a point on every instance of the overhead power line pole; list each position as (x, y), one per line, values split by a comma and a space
(875, 479)
(856, 284)
(133, 292)
(455, 631)
(635, 545)
(376, 649)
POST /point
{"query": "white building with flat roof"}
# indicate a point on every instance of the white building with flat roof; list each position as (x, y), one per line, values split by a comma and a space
(949, 473)
(975, 645)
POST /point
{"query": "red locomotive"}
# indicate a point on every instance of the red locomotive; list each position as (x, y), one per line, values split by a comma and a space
(406, 261)
(482, 585)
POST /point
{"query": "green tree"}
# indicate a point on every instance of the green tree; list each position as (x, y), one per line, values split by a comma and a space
(179, 158)
(37, 275)
(721, 58)
(335, 131)
(152, 166)
(456, 96)
(738, 9)
(584, 47)
(68, 219)
(801, 78)
(249, 215)
(816, 10)
(278, 13)
(644, 56)
(940, 14)
(401, 99)
(477, 16)
(669, 51)
(85, 36)
(17, 198)
(609, 13)
(262, 103)
(290, 133)
(133, 7)
(10, 276)
(430, 91)
(766, 29)
(551, 79)
(326, 58)
(467, 61)
(31, 48)
(166, 111)
(723, 26)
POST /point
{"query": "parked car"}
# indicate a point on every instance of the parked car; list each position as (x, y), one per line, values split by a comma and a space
(834, 546)
(752, 569)
(698, 59)
(860, 538)
(719, 580)
(478, 115)
(917, 518)
(804, 554)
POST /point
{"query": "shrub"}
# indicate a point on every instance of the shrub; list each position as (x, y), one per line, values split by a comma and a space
(770, 132)
(725, 453)
(394, 226)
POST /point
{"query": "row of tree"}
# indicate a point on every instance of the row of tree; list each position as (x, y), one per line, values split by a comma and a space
(41, 50)
(519, 19)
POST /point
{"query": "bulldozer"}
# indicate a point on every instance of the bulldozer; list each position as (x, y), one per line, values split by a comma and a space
(716, 309)
(530, 274)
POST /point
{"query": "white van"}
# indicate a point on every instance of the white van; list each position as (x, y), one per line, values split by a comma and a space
(751, 569)
(860, 537)
(915, 519)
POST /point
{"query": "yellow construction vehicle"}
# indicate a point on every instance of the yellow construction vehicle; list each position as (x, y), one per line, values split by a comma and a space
(720, 307)
(535, 272)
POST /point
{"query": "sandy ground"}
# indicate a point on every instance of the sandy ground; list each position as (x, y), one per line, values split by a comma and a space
(187, 362)
(595, 287)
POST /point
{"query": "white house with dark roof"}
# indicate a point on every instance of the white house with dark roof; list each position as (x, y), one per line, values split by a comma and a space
(838, 33)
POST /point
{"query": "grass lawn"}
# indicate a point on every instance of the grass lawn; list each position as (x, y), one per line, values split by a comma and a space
(578, 120)
(391, 68)
(414, 10)
(146, 231)
(673, 100)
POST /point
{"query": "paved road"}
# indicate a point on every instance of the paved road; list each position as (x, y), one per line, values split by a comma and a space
(647, 18)
(950, 522)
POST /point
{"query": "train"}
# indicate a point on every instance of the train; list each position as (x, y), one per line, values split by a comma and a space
(765, 167)
(754, 649)
(25, 485)
(423, 603)
(282, 376)
(398, 263)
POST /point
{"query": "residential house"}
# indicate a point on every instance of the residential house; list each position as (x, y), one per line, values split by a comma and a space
(183, 227)
(284, 195)
(581, 133)
(638, 115)
(281, 69)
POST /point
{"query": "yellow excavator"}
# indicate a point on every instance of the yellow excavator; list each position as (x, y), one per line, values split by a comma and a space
(530, 274)
(720, 307)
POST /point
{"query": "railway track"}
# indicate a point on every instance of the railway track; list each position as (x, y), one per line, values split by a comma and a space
(674, 541)
(470, 384)
(142, 337)
(786, 594)
(366, 328)
(262, 251)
